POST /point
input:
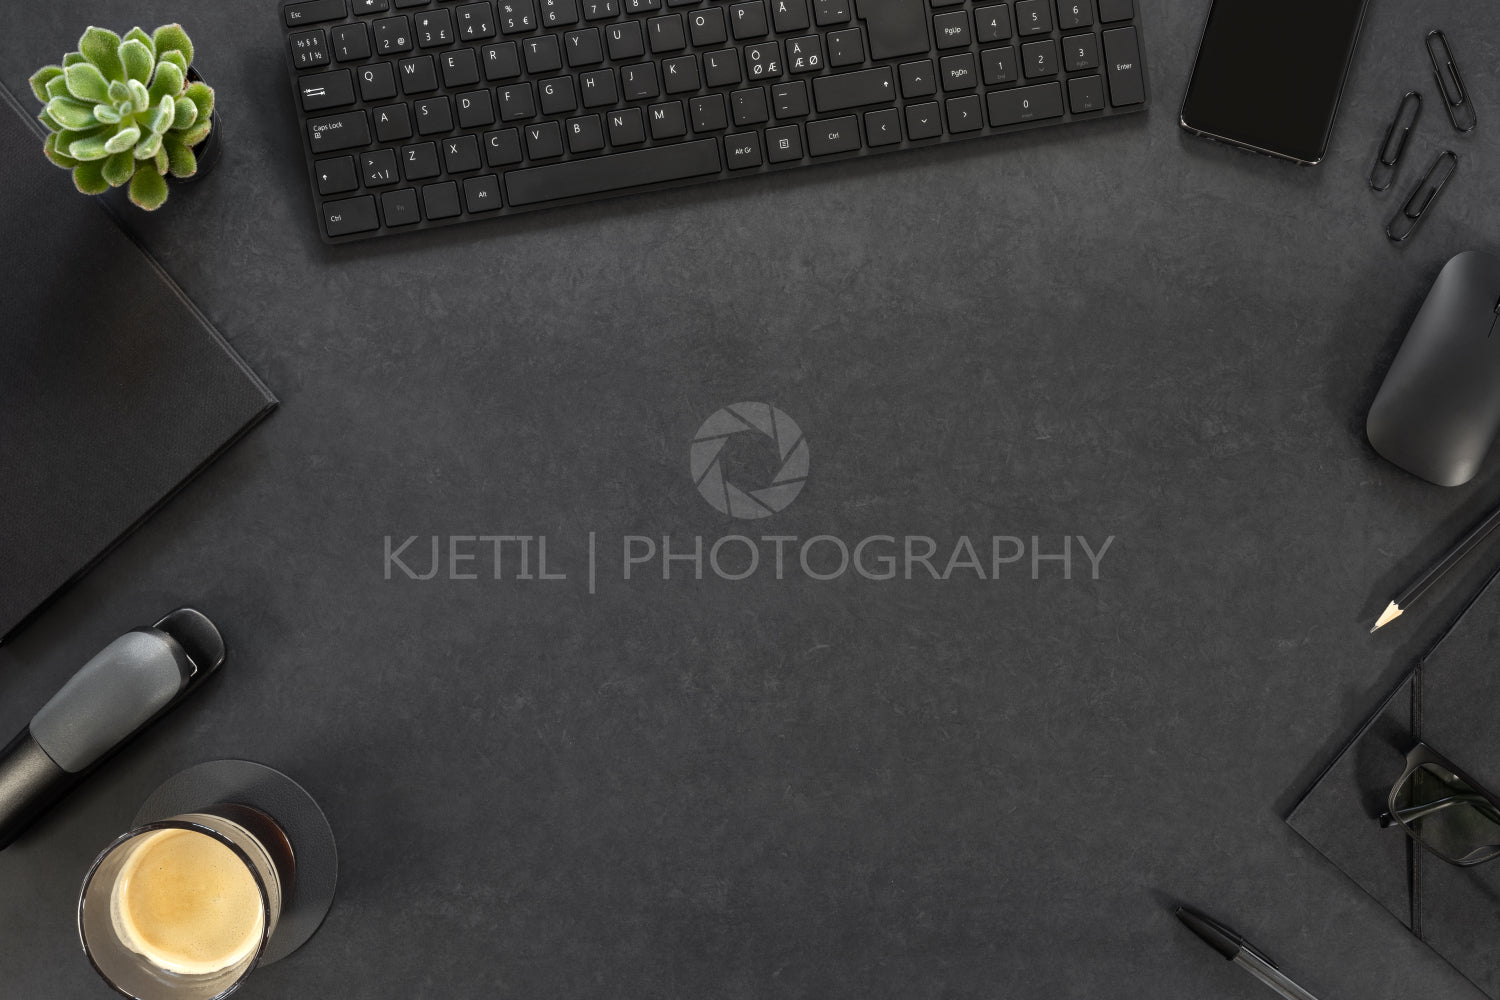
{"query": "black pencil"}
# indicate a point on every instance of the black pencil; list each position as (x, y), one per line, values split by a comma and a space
(1435, 572)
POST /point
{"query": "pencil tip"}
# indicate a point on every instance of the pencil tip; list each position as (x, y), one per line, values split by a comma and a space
(1390, 614)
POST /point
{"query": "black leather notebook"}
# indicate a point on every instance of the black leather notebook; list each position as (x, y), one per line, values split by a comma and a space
(114, 389)
(1451, 701)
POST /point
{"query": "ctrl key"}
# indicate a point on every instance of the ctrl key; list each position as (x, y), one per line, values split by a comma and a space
(350, 216)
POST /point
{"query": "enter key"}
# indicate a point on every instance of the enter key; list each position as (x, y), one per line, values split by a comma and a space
(1122, 63)
(851, 90)
(895, 27)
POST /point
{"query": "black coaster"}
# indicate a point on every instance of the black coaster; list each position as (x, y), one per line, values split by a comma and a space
(273, 793)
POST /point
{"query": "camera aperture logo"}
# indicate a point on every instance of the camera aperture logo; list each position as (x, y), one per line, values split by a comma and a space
(706, 459)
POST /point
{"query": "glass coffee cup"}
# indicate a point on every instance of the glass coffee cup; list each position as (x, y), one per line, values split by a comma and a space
(183, 908)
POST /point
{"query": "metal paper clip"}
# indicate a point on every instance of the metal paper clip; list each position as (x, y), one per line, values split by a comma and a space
(1387, 162)
(1417, 206)
(1457, 97)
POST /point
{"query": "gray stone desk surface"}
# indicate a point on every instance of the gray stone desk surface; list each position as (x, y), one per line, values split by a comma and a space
(794, 788)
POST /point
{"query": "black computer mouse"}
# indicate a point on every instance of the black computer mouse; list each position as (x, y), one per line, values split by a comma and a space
(1438, 411)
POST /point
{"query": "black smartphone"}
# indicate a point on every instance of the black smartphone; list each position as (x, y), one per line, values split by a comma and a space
(1270, 74)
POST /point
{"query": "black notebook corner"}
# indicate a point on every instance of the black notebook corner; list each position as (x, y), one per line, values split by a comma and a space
(1449, 701)
(114, 388)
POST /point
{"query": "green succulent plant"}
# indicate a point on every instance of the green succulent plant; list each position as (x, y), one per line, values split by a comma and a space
(121, 110)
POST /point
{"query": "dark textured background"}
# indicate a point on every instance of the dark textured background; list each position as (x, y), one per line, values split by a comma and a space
(799, 789)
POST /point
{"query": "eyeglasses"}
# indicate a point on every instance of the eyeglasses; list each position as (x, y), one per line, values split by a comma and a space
(1444, 810)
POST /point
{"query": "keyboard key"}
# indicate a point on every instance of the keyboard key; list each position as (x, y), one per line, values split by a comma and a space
(707, 27)
(441, 200)
(1025, 104)
(626, 128)
(992, 24)
(321, 91)
(418, 76)
(826, 12)
(804, 54)
(392, 122)
(784, 144)
(897, 27)
(598, 88)
(314, 11)
(958, 72)
(639, 82)
(600, 10)
(460, 68)
(833, 135)
(337, 175)
(789, 100)
(434, 28)
(789, 16)
(476, 21)
(350, 42)
(543, 140)
(350, 216)
(379, 168)
(640, 6)
(1122, 63)
(922, 121)
(502, 148)
(1074, 13)
(1081, 52)
(1033, 17)
(309, 48)
(763, 61)
(1116, 10)
(347, 131)
(721, 68)
(850, 90)
(476, 109)
(1086, 93)
(371, 6)
(400, 208)
(542, 54)
(749, 106)
(679, 75)
(708, 113)
(516, 16)
(998, 65)
(517, 102)
(559, 13)
(403, 4)
(748, 20)
(742, 150)
(667, 120)
(1039, 58)
(419, 161)
(951, 29)
(377, 82)
(482, 194)
(883, 127)
(585, 134)
(666, 33)
(964, 114)
(392, 34)
(846, 48)
(461, 154)
(501, 62)
(556, 95)
(918, 79)
(434, 116)
(614, 172)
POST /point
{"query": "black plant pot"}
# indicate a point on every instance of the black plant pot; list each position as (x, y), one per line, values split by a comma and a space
(210, 149)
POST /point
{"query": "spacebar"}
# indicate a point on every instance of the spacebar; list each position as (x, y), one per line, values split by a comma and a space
(600, 174)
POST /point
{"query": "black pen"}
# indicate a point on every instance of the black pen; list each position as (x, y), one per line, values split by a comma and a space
(1239, 951)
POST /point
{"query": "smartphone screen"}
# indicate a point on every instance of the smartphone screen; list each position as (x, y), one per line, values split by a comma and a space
(1270, 73)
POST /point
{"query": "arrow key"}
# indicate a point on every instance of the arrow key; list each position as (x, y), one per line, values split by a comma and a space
(336, 175)
(923, 121)
(882, 128)
(918, 79)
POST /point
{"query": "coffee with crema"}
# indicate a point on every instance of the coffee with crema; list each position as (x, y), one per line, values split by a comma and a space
(187, 904)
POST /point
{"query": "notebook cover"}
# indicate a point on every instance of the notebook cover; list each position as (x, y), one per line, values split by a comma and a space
(114, 389)
(1450, 701)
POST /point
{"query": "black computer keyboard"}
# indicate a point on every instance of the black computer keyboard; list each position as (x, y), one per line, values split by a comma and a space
(418, 113)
